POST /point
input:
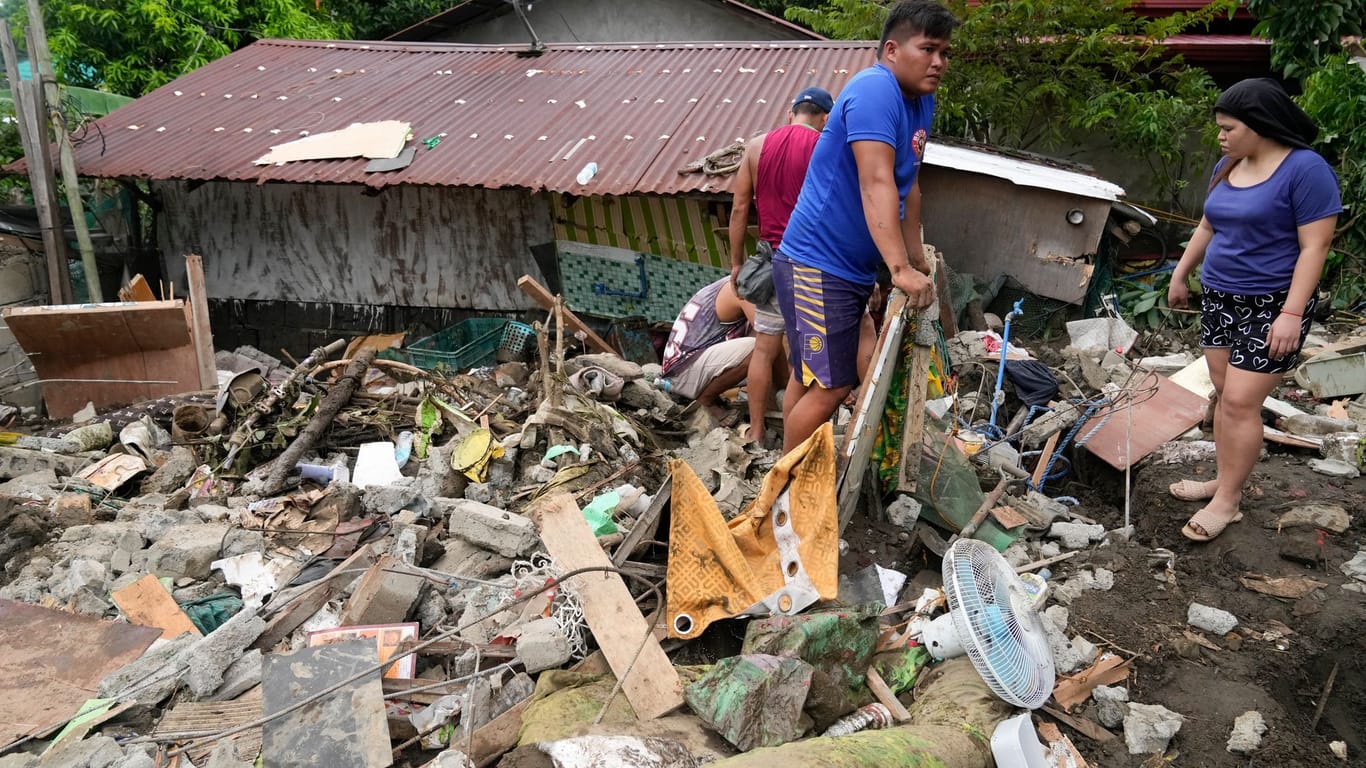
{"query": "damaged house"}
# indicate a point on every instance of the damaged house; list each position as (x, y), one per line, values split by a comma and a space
(581, 147)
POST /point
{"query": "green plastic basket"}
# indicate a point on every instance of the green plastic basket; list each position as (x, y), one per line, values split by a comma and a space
(468, 344)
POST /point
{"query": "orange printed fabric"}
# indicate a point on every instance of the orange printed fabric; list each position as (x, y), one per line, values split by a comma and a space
(718, 570)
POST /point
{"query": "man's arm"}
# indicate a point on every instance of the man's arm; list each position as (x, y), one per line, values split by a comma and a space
(882, 212)
(741, 199)
(910, 229)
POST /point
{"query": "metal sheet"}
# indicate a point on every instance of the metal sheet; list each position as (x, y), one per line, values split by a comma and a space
(347, 729)
(52, 661)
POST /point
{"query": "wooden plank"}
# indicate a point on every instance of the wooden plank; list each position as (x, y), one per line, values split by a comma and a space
(541, 295)
(121, 347)
(648, 524)
(297, 611)
(200, 330)
(137, 290)
(146, 602)
(647, 676)
(918, 370)
(1045, 456)
(852, 457)
(883, 693)
(1087, 728)
(1165, 415)
(490, 740)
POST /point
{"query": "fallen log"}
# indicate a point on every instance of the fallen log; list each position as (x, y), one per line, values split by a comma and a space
(331, 405)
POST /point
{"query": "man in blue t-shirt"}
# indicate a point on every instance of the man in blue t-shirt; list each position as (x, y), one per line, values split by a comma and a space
(860, 206)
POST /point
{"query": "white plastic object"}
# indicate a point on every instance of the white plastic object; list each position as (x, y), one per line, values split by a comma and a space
(997, 624)
(1015, 744)
(375, 465)
(587, 174)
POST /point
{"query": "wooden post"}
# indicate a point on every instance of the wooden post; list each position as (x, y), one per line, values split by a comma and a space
(922, 349)
(29, 109)
(199, 321)
(41, 60)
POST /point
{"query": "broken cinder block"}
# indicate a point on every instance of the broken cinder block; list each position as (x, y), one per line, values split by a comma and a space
(507, 533)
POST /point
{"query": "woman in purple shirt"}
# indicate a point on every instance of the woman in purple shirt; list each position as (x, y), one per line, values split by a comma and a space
(1269, 218)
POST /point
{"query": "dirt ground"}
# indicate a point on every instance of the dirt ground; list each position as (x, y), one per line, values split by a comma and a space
(1144, 617)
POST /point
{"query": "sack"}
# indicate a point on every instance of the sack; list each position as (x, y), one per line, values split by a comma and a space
(755, 282)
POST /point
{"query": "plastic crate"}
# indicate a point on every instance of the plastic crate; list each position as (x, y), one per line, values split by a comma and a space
(517, 338)
(469, 344)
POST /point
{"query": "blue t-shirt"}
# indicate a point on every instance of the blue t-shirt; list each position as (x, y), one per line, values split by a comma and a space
(827, 229)
(1256, 241)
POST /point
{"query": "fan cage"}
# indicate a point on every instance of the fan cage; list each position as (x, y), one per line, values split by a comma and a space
(1009, 649)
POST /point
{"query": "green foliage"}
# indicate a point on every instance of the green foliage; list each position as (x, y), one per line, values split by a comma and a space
(1335, 97)
(1304, 33)
(1144, 305)
(377, 20)
(133, 46)
(1034, 75)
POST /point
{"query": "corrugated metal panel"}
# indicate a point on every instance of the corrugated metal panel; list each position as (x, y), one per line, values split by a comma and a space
(640, 112)
(504, 120)
(678, 227)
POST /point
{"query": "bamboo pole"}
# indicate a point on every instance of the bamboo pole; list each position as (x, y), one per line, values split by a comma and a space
(66, 158)
(28, 108)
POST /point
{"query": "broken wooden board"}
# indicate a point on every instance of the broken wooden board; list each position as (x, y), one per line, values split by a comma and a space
(199, 321)
(298, 609)
(648, 678)
(852, 457)
(110, 350)
(1132, 431)
(346, 729)
(541, 295)
(147, 603)
(647, 525)
(1088, 728)
(883, 693)
(1071, 690)
(137, 290)
(54, 661)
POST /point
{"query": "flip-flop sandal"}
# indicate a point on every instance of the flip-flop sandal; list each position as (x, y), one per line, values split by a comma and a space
(1211, 525)
(1192, 490)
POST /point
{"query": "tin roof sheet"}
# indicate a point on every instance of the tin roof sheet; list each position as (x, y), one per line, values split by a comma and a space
(499, 119)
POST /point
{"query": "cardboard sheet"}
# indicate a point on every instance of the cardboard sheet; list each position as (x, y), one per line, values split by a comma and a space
(1165, 415)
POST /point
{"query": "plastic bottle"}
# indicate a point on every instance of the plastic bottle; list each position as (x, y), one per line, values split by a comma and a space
(587, 174)
(1314, 424)
(404, 448)
(664, 384)
(873, 716)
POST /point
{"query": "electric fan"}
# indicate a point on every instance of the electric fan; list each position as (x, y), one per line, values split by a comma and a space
(993, 617)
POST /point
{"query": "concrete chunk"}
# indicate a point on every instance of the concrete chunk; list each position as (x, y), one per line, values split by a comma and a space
(1076, 535)
(1247, 733)
(507, 533)
(1329, 517)
(210, 657)
(1149, 728)
(543, 646)
(186, 551)
(1215, 620)
(1112, 704)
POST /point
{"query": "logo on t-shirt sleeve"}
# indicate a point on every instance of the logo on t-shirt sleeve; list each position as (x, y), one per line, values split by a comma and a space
(918, 142)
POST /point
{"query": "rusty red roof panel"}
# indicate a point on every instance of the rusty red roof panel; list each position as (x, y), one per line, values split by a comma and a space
(502, 119)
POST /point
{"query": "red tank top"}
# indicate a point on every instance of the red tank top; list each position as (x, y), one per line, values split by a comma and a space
(782, 168)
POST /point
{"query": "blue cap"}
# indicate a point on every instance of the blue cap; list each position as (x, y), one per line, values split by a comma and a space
(820, 97)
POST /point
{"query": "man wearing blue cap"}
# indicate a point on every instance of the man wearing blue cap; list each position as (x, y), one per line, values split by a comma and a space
(770, 175)
(859, 207)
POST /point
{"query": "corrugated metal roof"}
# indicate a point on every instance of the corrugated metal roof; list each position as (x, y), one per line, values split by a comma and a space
(474, 10)
(640, 112)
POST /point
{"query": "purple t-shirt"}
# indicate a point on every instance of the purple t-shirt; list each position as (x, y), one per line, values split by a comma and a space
(1256, 239)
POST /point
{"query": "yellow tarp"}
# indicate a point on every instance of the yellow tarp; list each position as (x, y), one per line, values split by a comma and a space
(719, 569)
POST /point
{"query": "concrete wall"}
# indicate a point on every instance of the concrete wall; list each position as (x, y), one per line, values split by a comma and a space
(290, 264)
(23, 282)
(988, 226)
(632, 21)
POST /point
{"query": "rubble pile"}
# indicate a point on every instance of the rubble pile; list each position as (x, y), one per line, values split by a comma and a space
(363, 563)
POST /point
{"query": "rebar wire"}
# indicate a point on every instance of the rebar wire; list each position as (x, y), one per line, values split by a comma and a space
(381, 667)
